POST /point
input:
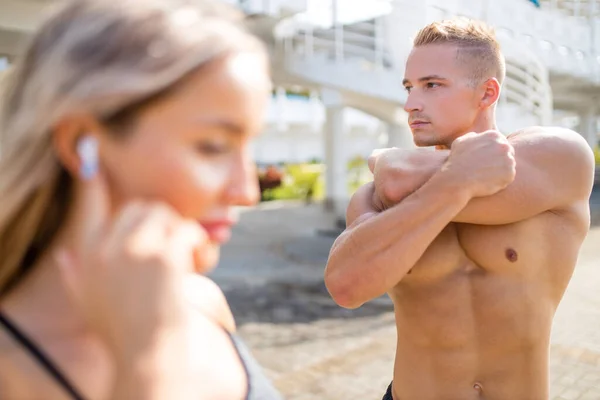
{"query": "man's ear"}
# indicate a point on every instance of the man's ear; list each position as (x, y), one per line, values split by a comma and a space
(491, 93)
(65, 136)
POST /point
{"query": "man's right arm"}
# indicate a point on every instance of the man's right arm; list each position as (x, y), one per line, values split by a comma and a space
(377, 250)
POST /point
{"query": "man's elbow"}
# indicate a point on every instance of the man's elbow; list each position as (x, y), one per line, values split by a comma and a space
(342, 289)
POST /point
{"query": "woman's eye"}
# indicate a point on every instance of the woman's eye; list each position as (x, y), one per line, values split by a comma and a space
(212, 148)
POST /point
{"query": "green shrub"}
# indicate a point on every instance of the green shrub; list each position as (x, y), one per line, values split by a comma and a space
(304, 177)
(298, 184)
(307, 181)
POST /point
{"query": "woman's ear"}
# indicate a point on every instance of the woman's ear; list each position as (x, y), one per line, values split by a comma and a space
(66, 135)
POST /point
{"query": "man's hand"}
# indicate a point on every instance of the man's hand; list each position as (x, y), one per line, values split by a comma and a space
(484, 163)
(400, 172)
(539, 169)
(481, 161)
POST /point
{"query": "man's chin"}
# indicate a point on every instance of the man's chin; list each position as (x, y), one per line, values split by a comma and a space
(424, 142)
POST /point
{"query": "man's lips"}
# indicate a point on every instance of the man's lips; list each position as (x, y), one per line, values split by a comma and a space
(418, 124)
(218, 231)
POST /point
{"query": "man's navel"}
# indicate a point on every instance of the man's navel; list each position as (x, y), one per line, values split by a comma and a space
(478, 388)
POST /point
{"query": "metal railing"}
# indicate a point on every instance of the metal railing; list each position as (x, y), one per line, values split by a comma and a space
(366, 42)
(362, 40)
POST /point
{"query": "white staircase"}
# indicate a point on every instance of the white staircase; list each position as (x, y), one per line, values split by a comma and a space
(359, 47)
(351, 59)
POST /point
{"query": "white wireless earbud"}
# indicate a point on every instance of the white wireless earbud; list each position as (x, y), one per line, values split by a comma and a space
(87, 148)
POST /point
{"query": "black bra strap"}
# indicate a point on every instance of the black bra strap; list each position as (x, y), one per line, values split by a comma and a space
(40, 356)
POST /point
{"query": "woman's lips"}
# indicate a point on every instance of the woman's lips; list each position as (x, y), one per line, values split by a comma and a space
(218, 231)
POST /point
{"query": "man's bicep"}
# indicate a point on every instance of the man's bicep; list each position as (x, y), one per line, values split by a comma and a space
(554, 168)
(525, 197)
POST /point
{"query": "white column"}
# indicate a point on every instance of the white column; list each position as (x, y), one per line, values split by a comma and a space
(281, 104)
(399, 135)
(336, 172)
(588, 126)
(336, 192)
(316, 121)
(338, 31)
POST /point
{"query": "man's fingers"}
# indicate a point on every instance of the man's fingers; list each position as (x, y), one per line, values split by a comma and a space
(372, 160)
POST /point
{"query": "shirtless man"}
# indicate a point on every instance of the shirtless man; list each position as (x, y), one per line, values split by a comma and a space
(475, 243)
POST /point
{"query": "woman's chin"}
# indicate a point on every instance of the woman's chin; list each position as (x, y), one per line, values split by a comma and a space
(207, 259)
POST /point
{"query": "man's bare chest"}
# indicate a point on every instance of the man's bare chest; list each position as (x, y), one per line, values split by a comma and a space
(477, 281)
(519, 250)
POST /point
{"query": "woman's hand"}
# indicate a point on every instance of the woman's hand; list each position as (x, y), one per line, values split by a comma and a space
(126, 274)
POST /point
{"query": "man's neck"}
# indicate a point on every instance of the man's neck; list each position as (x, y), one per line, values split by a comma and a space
(481, 125)
(484, 123)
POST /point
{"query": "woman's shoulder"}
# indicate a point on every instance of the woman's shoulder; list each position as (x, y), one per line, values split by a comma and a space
(215, 354)
(15, 368)
(207, 297)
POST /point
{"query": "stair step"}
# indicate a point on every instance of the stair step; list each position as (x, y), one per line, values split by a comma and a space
(350, 52)
(326, 43)
(361, 27)
(351, 37)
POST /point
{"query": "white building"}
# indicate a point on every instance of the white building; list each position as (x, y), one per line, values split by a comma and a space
(347, 58)
(351, 55)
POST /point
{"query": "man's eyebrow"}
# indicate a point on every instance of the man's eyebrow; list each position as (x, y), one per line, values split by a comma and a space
(426, 79)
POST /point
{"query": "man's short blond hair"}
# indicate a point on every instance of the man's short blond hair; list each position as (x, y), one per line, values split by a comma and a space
(478, 48)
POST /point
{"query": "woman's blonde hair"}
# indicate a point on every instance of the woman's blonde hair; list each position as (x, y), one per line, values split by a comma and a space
(105, 57)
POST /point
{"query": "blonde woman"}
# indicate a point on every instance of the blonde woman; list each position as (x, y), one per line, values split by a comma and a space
(124, 143)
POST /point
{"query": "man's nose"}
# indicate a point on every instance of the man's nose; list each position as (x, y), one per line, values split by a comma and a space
(413, 104)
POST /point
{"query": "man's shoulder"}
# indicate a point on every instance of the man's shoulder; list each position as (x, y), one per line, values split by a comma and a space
(561, 149)
(549, 135)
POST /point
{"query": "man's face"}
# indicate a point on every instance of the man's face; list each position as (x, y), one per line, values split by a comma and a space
(442, 105)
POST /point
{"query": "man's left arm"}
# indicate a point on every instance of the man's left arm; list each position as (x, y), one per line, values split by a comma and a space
(554, 169)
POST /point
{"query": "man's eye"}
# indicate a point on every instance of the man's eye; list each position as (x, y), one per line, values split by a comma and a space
(407, 88)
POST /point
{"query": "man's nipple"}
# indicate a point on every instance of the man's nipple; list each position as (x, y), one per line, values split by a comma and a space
(511, 255)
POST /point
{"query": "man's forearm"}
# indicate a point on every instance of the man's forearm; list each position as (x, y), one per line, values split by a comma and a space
(554, 169)
(372, 257)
